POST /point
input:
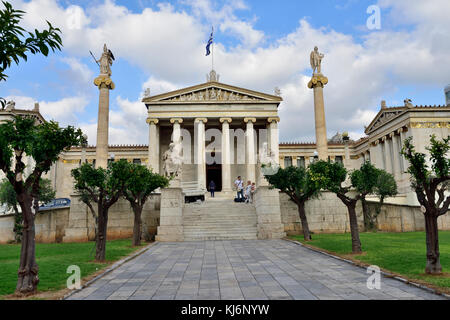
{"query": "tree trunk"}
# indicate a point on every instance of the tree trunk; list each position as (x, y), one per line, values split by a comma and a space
(305, 226)
(368, 222)
(356, 242)
(432, 235)
(137, 229)
(28, 269)
(100, 254)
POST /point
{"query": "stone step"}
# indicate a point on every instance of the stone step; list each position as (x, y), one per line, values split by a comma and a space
(207, 228)
(220, 238)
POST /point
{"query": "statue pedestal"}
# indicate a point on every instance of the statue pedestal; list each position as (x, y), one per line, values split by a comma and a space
(267, 204)
(171, 216)
(175, 183)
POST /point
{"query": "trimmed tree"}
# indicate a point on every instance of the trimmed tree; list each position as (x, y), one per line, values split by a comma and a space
(300, 186)
(430, 186)
(364, 181)
(8, 197)
(21, 138)
(141, 183)
(331, 176)
(102, 187)
(385, 187)
(16, 43)
(371, 180)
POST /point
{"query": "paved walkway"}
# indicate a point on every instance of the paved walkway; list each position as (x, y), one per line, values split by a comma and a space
(232, 270)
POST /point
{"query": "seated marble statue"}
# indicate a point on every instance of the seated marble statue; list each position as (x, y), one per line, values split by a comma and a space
(269, 165)
(173, 161)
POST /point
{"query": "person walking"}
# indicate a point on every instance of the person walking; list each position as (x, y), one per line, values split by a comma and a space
(248, 192)
(252, 191)
(212, 188)
(239, 184)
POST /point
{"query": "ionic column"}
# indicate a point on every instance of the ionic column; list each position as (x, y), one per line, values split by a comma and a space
(176, 134)
(274, 146)
(153, 145)
(104, 84)
(226, 153)
(200, 156)
(387, 155)
(317, 83)
(250, 149)
(396, 156)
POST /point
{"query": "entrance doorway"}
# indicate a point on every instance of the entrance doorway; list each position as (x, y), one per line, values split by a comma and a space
(214, 173)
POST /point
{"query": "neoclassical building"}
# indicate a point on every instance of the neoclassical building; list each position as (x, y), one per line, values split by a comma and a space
(223, 130)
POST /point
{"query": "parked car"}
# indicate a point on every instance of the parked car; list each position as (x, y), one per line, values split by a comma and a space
(55, 204)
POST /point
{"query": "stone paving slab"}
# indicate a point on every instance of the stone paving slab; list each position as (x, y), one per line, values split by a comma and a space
(242, 269)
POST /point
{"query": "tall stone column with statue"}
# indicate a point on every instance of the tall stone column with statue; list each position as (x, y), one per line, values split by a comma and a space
(104, 84)
(317, 83)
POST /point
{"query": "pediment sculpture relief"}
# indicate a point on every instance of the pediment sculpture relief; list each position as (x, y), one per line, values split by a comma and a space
(213, 94)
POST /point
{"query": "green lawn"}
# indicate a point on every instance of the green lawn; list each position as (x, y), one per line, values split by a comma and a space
(401, 253)
(53, 260)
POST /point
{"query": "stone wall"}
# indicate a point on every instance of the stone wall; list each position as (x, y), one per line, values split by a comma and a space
(325, 215)
(77, 225)
(329, 215)
(400, 218)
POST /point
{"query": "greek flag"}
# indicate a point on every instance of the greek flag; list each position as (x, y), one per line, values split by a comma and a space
(210, 41)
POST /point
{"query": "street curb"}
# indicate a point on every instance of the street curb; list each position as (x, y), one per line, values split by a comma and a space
(113, 267)
(384, 273)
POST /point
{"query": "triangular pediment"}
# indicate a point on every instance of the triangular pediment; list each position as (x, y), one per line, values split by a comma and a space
(215, 92)
(383, 117)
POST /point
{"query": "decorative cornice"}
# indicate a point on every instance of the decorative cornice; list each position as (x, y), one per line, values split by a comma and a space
(104, 81)
(430, 125)
(317, 80)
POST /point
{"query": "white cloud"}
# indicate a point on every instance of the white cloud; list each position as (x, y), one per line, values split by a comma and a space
(168, 44)
(64, 111)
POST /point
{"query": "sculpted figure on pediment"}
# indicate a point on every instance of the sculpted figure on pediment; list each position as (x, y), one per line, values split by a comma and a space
(213, 95)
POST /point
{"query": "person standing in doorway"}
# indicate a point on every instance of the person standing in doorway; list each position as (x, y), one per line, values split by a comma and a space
(212, 188)
(239, 184)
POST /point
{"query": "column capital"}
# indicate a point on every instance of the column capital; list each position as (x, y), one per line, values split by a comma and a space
(247, 120)
(204, 120)
(317, 80)
(273, 119)
(222, 120)
(173, 120)
(152, 121)
(101, 81)
(383, 139)
(391, 135)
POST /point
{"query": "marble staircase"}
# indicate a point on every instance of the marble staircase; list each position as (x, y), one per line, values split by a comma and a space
(219, 218)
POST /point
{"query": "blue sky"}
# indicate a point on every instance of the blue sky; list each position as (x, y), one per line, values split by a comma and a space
(259, 45)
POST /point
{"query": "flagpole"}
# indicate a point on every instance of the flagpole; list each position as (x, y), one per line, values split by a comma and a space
(212, 55)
